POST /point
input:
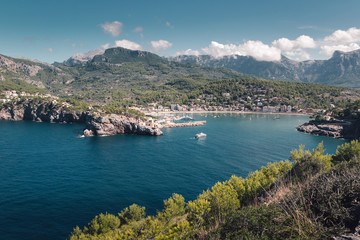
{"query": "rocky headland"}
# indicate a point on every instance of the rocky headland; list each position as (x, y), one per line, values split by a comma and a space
(348, 129)
(42, 111)
(60, 112)
(114, 124)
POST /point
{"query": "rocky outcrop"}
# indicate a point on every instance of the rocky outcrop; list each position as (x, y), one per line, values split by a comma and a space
(322, 129)
(348, 129)
(112, 125)
(19, 67)
(51, 111)
(41, 111)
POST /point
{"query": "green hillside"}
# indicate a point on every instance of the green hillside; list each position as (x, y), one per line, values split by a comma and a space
(123, 77)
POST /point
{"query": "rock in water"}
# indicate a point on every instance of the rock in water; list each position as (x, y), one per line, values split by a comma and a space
(348, 129)
(112, 125)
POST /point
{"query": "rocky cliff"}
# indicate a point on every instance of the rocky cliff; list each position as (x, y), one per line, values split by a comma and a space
(41, 111)
(348, 129)
(52, 111)
(113, 124)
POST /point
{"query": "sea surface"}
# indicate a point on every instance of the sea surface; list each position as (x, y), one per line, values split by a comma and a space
(51, 181)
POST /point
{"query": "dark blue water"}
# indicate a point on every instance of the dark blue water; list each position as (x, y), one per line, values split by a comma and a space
(51, 181)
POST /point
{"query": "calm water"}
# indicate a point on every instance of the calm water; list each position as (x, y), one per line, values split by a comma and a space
(51, 181)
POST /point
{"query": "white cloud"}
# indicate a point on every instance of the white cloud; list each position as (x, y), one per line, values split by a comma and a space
(113, 28)
(160, 45)
(138, 29)
(301, 42)
(340, 36)
(188, 52)
(105, 46)
(297, 54)
(330, 49)
(342, 40)
(256, 49)
(50, 50)
(128, 44)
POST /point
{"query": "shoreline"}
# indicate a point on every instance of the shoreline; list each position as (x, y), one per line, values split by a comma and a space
(222, 112)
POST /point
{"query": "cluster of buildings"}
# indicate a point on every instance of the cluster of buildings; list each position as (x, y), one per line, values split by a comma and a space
(8, 96)
(247, 104)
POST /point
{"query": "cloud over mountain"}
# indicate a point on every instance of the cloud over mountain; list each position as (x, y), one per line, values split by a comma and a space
(160, 45)
(347, 40)
(128, 44)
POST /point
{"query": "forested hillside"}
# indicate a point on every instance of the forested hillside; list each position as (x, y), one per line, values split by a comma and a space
(121, 78)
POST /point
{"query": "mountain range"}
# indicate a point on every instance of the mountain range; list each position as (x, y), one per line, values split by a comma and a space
(342, 69)
(96, 76)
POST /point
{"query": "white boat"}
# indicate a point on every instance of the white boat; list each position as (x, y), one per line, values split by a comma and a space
(200, 135)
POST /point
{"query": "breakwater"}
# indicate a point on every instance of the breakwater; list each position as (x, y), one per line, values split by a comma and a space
(187, 124)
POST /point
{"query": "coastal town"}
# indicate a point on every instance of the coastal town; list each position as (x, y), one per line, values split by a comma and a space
(204, 103)
(257, 103)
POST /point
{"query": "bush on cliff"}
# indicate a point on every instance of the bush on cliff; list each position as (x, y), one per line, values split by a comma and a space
(347, 152)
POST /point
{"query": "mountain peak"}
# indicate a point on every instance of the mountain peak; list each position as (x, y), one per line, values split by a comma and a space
(120, 55)
(339, 53)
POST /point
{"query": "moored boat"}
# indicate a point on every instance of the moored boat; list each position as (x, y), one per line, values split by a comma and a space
(200, 135)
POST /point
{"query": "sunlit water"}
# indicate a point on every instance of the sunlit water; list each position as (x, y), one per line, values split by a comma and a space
(51, 180)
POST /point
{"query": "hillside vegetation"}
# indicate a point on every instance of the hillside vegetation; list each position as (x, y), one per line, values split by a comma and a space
(312, 196)
(118, 69)
(251, 91)
(122, 77)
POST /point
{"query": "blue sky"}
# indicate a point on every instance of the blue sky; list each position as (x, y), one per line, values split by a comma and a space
(55, 30)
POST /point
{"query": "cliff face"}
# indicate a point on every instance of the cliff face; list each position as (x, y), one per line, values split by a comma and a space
(42, 111)
(49, 111)
(112, 125)
(348, 129)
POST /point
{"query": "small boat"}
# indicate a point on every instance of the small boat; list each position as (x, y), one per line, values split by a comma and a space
(200, 135)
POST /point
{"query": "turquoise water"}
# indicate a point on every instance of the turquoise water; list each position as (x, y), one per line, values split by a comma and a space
(51, 181)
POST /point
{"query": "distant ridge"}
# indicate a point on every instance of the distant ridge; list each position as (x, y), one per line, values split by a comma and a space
(121, 55)
(342, 69)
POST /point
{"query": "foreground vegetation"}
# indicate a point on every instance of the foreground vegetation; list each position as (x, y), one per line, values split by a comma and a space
(311, 196)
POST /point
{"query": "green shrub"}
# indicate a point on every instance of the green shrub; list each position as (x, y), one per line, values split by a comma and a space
(346, 152)
(102, 223)
(132, 213)
(308, 164)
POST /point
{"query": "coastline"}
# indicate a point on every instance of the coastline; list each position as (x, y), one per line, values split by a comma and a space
(221, 112)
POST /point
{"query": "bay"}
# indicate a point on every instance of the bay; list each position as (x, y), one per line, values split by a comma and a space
(51, 181)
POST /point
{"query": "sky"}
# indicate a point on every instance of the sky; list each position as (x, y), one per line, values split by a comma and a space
(49, 30)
